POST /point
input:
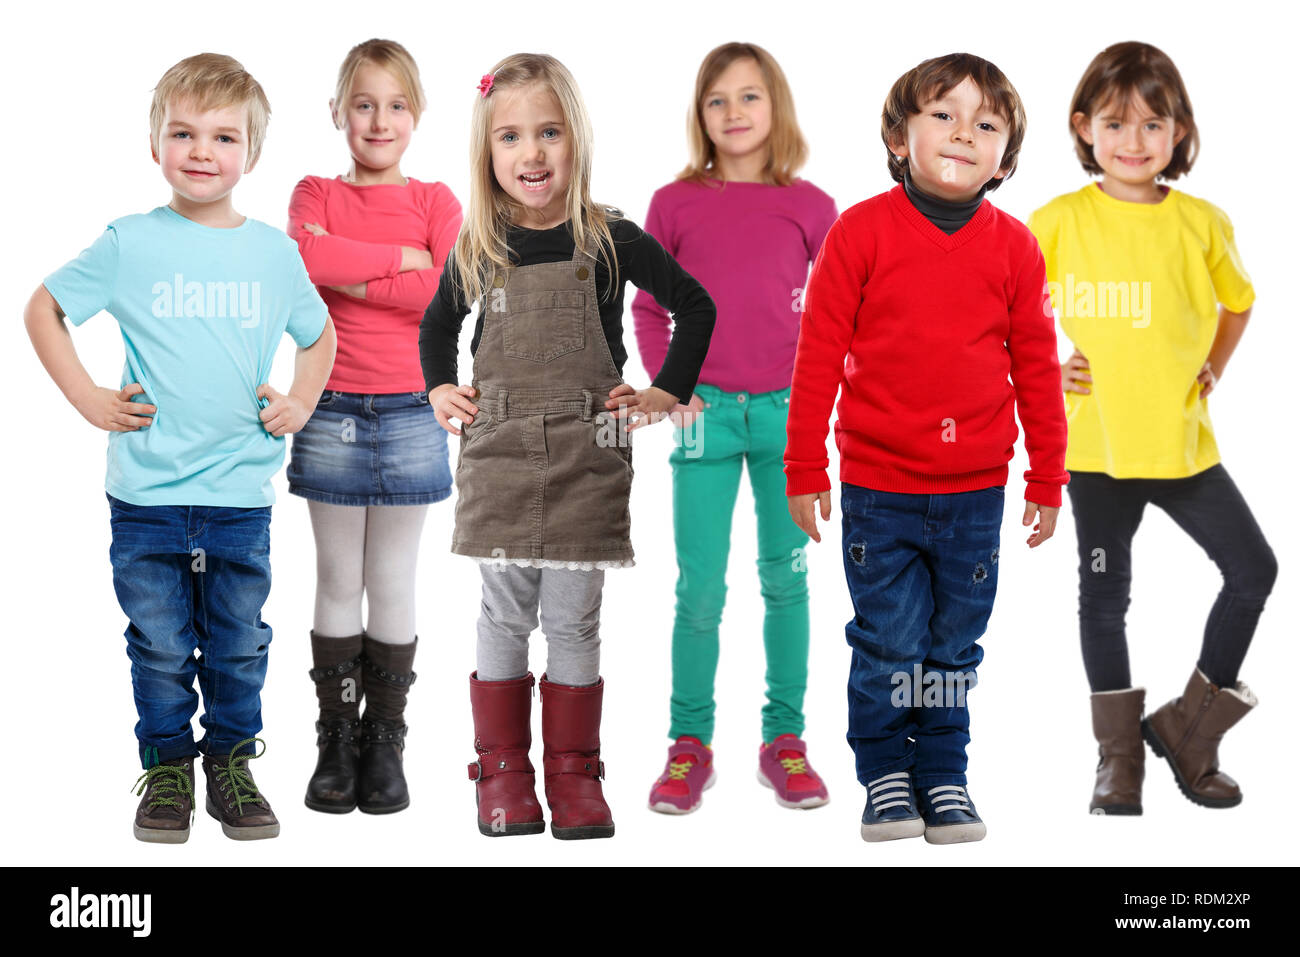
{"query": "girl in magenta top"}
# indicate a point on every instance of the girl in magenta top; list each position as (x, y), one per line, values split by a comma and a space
(739, 221)
(372, 457)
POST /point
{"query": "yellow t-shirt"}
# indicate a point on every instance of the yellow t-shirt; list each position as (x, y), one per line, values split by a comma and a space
(1136, 287)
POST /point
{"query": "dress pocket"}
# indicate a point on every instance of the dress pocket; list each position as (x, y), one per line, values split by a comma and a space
(541, 326)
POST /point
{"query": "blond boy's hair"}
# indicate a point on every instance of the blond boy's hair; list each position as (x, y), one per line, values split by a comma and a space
(212, 81)
(387, 55)
(481, 247)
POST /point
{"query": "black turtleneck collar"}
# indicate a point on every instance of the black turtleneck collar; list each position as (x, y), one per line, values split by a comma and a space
(946, 215)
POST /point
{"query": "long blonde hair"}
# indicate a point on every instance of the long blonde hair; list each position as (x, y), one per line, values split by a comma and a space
(787, 150)
(481, 246)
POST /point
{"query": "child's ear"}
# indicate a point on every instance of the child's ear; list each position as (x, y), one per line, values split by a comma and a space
(152, 151)
(1083, 126)
(334, 117)
(1179, 132)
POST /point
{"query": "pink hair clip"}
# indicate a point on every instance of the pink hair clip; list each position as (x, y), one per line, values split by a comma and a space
(485, 85)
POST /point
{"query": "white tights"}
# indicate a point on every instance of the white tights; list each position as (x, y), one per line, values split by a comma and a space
(371, 551)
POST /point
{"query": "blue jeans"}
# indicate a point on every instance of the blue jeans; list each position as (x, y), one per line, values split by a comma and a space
(193, 577)
(922, 572)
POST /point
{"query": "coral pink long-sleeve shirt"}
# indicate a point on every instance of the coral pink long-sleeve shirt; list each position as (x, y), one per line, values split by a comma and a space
(378, 337)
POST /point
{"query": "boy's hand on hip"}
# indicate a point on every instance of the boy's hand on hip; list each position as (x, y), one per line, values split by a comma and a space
(114, 411)
(1046, 522)
(803, 509)
(285, 414)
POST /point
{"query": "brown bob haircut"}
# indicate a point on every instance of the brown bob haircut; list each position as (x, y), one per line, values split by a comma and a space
(933, 79)
(787, 150)
(1126, 72)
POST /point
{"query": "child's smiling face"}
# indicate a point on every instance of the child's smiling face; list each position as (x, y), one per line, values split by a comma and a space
(737, 110)
(1129, 142)
(377, 118)
(531, 155)
(203, 154)
(955, 144)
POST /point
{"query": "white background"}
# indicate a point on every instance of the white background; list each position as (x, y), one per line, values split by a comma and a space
(78, 78)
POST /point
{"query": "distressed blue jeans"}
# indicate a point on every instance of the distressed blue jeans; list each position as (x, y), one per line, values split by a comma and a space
(193, 578)
(922, 572)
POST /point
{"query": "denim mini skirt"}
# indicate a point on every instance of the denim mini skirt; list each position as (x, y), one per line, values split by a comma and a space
(361, 449)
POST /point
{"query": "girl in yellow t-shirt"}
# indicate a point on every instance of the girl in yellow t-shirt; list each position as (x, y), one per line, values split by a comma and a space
(1148, 285)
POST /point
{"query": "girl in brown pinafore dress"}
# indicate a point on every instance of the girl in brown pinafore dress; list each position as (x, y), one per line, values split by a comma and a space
(545, 466)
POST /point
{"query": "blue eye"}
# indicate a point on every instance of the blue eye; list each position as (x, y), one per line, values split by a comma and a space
(226, 139)
(179, 133)
(508, 137)
(751, 96)
(550, 129)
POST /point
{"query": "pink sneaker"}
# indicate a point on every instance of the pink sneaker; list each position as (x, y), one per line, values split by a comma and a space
(783, 767)
(688, 774)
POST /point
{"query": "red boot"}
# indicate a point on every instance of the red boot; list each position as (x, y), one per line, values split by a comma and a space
(503, 775)
(571, 761)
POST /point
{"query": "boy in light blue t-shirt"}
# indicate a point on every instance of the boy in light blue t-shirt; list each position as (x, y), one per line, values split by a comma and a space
(203, 296)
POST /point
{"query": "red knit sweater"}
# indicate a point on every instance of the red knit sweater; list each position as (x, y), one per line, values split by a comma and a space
(921, 330)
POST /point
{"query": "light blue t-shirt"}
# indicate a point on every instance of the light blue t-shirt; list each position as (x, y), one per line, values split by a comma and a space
(202, 311)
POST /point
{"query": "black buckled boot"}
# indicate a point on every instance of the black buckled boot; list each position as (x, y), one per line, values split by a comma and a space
(333, 785)
(381, 783)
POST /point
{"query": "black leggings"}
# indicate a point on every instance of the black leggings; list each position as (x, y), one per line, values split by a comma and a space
(1208, 507)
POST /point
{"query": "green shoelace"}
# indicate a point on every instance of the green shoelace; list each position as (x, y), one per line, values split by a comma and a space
(169, 784)
(235, 775)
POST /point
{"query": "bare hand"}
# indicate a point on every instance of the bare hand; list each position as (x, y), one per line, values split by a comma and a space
(1208, 379)
(688, 413)
(650, 404)
(451, 401)
(1046, 525)
(285, 414)
(1074, 372)
(415, 258)
(315, 229)
(114, 411)
(804, 511)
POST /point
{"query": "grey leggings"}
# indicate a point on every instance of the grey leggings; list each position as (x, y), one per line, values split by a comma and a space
(570, 614)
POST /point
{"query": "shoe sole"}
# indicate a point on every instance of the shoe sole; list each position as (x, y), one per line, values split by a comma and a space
(584, 833)
(244, 833)
(805, 804)
(378, 809)
(663, 807)
(1161, 751)
(512, 830)
(955, 833)
(157, 835)
(1116, 810)
(330, 808)
(892, 830)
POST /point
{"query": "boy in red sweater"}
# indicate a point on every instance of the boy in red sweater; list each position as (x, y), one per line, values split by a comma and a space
(927, 305)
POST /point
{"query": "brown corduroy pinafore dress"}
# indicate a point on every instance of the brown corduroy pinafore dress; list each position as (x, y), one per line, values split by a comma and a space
(545, 472)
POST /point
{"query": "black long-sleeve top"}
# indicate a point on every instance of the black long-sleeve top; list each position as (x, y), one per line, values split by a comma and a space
(641, 260)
